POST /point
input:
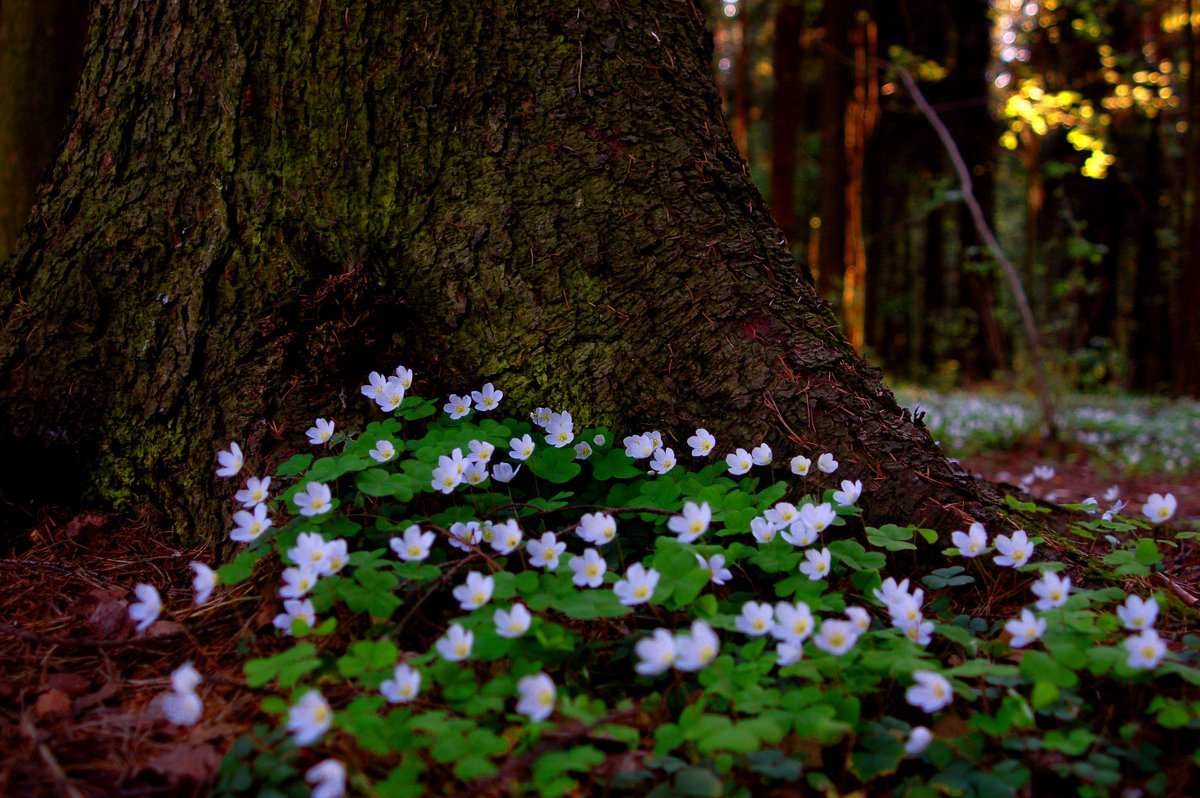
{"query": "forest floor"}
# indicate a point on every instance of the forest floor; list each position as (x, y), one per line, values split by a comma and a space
(77, 688)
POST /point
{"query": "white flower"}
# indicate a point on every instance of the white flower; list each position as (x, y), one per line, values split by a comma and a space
(249, 524)
(761, 455)
(480, 451)
(453, 462)
(512, 623)
(657, 653)
(255, 491)
(182, 708)
(376, 383)
(309, 718)
(230, 460)
(456, 644)
(1137, 614)
(1043, 472)
(392, 396)
(328, 779)
(1052, 591)
(583, 450)
(1112, 493)
(541, 416)
(465, 535)
(817, 517)
(504, 472)
(638, 585)
(537, 697)
(918, 740)
(321, 432)
(1014, 551)
(836, 637)
(560, 430)
(415, 544)
(697, 651)
(664, 460)
(298, 581)
(781, 515)
(314, 499)
(146, 609)
(544, 552)
(476, 592)
(1116, 509)
(755, 619)
(800, 465)
(762, 529)
(972, 543)
(799, 533)
(788, 653)
(692, 522)
(475, 473)
(702, 443)
(793, 622)
(589, 569)
(739, 462)
(185, 678)
(521, 449)
(597, 528)
(1026, 629)
(716, 566)
(457, 407)
(506, 536)
(204, 582)
(403, 686)
(859, 617)
(849, 493)
(404, 377)
(826, 463)
(655, 438)
(920, 633)
(892, 592)
(931, 692)
(639, 446)
(599, 439)
(1145, 649)
(295, 609)
(309, 550)
(906, 609)
(816, 564)
(1159, 508)
(1090, 505)
(446, 479)
(487, 399)
(384, 450)
(335, 557)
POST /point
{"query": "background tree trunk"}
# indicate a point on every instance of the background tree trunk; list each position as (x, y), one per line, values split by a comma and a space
(257, 205)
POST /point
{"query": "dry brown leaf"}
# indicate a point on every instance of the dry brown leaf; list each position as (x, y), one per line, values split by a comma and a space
(108, 618)
(69, 683)
(161, 628)
(52, 702)
(106, 691)
(190, 762)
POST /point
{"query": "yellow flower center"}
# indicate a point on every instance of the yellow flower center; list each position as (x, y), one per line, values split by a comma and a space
(759, 624)
(317, 503)
(800, 627)
(406, 691)
(545, 698)
(1018, 555)
(414, 551)
(1148, 652)
(516, 626)
(592, 570)
(837, 639)
(548, 555)
(317, 555)
(695, 527)
(461, 649)
(938, 690)
(320, 714)
(706, 653)
(478, 598)
(641, 592)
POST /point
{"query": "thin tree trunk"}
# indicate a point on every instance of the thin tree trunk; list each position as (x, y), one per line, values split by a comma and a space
(256, 206)
(831, 201)
(1186, 288)
(787, 114)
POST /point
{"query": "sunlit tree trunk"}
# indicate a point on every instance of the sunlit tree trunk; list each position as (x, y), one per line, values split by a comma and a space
(257, 204)
(1186, 286)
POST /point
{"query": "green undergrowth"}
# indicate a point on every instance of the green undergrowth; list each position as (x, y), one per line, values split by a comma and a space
(1067, 714)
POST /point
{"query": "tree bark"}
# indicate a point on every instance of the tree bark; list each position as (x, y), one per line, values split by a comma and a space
(787, 113)
(258, 204)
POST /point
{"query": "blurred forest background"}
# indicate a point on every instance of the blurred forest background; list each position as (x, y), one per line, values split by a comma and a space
(1078, 121)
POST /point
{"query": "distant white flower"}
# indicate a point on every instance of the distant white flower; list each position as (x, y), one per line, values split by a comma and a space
(793, 622)
(1145, 649)
(638, 585)
(560, 430)
(639, 446)
(655, 438)
(455, 461)
(537, 697)
(849, 493)
(788, 653)
(800, 533)
(836, 637)
(597, 528)
(457, 406)
(384, 450)
(1137, 614)
(739, 462)
(309, 551)
(512, 623)
(504, 472)
(931, 692)
(892, 592)
(255, 491)
(1112, 493)
(506, 536)
(475, 473)
(545, 551)
(1043, 472)
(476, 592)
(817, 516)
(1014, 551)
(761, 455)
(465, 535)
(905, 610)
(826, 463)
(762, 529)
(456, 644)
(1090, 505)
(403, 686)
(230, 460)
(698, 650)
(702, 443)
(146, 609)
(816, 565)
(918, 740)
(583, 450)
(1052, 591)
(309, 718)
(404, 377)
(185, 678)
(295, 609)
(392, 396)
(692, 522)
(657, 653)
(1116, 509)
(664, 460)
(182, 708)
(1159, 508)
(480, 451)
(541, 416)
(800, 465)
(298, 581)
(446, 479)
(522, 448)
(920, 633)
(599, 439)
(376, 383)
(328, 779)
(1026, 629)
(414, 545)
(487, 399)
(204, 581)
(972, 543)
(859, 617)
(715, 566)
(781, 515)
(589, 569)
(321, 432)
(755, 619)
(314, 499)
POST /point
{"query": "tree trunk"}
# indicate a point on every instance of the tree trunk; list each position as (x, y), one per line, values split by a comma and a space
(835, 95)
(258, 204)
(787, 114)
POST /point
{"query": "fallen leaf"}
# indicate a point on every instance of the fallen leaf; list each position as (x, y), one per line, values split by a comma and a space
(163, 628)
(52, 702)
(106, 691)
(69, 683)
(186, 762)
(108, 617)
